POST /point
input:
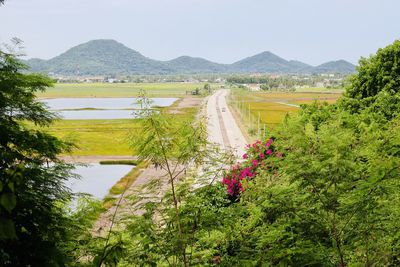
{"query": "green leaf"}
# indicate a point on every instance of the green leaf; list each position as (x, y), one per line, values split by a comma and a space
(11, 186)
(7, 229)
(8, 201)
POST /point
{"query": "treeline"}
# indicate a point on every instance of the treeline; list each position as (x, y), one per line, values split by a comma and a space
(268, 82)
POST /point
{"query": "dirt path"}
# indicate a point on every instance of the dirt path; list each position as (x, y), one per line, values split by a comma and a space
(150, 185)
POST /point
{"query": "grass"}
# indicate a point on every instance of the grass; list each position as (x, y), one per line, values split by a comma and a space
(105, 137)
(118, 89)
(119, 162)
(270, 106)
(321, 89)
(96, 137)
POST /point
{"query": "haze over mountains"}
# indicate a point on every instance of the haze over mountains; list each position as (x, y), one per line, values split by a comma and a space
(109, 57)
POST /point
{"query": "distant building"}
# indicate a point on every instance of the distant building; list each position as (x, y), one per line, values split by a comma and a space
(254, 87)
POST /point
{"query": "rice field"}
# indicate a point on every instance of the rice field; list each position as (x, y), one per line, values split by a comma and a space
(75, 90)
(265, 110)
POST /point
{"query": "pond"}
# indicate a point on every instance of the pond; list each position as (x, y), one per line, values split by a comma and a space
(97, 179)
(100, 108)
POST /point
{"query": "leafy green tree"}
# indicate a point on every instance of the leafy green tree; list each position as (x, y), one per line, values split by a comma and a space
(173, 149)
(33, 224)
(376, 85)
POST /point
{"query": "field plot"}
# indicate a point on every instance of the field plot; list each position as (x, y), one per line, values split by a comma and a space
(119, 89)
(97, 137)
(264, 110)
(106, 137)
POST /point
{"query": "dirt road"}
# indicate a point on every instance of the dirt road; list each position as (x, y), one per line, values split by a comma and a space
(222, 127)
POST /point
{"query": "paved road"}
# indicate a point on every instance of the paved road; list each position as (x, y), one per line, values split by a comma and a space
(222, 127)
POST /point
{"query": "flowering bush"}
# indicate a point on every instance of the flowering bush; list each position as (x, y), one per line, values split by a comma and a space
(254, 158)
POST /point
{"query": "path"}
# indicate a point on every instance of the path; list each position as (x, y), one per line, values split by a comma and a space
(222, 127)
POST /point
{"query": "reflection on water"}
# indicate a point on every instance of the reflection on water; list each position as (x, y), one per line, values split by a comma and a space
(97, 179)
(113, 107)
(96, 114)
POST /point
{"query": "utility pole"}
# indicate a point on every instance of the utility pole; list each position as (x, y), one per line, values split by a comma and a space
(258, 126)
(249, 118)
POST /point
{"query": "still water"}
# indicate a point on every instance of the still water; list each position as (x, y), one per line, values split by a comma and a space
(97, 179)
(108, 108)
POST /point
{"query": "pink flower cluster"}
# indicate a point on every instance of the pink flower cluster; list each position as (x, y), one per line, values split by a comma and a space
(255, 157)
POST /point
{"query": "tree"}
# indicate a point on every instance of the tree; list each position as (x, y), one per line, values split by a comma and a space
(376, 85)
(32, 192)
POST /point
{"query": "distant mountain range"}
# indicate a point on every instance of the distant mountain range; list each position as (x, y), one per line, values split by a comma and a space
(109, 57)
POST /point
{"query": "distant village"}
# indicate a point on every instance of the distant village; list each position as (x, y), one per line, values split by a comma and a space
(253, 82)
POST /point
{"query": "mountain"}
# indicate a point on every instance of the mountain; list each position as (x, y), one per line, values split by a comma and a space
(267, 62)
(99, 57)
(186, 64)
(109, 57)
(339, 66)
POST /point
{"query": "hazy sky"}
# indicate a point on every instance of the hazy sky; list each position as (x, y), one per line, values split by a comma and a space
(313, 31)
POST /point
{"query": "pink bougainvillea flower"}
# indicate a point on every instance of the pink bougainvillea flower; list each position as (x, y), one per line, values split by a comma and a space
(254, 159)
(269, 142)
(254, 162)
(279, 154)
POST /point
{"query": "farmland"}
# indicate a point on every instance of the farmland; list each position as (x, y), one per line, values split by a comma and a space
(118, 89)
(270, 108)
(111, 137)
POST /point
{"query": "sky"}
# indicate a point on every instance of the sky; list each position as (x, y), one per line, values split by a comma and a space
(224, 31)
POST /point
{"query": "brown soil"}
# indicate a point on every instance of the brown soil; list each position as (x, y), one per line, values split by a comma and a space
(186, 102)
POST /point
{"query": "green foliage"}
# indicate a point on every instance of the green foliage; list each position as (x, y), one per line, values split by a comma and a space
(375, 86)
(32, 192)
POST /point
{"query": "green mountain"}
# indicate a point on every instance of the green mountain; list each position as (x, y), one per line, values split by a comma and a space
(99, 57)
(339, 66)
(186, 64)
(268, 62)
(108, 57)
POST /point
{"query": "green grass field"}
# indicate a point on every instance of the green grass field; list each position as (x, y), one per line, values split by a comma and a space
(270, 105)
(118, 89)
(105, 137)
(96, 137)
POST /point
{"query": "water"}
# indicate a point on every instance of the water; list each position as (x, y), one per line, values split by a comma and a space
(96, 114)
(110, 108)
(97, 179)
(103, 103)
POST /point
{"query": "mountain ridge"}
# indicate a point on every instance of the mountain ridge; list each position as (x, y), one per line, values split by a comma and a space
(109, 57)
